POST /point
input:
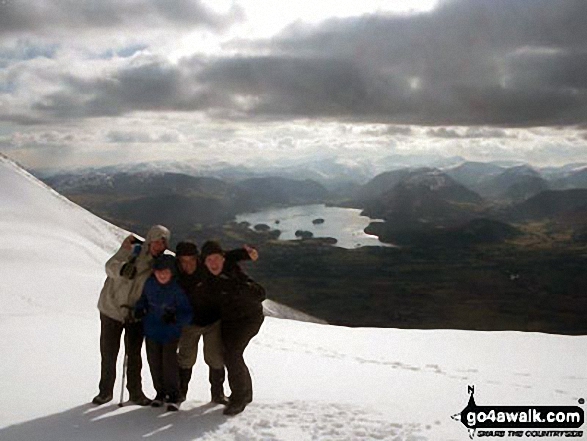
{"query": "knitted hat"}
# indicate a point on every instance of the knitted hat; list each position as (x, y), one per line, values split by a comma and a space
(164, 261)
(211, 247)
(186, 249)
(157, 232)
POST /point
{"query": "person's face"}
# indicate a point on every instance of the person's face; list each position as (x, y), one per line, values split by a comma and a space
(215, 263)
(188, 264)
(157, 247)
(163, 276)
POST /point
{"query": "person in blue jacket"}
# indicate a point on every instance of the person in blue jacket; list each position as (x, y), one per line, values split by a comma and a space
(164, 309)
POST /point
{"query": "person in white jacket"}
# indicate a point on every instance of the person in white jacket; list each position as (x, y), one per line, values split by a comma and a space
(126, 273)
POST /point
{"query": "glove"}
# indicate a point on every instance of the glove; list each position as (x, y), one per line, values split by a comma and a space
(169, 317)
(138, 314)
(128, 270)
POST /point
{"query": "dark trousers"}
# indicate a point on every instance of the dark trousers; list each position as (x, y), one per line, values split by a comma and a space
(162, 360)
(236, 335)
(110, 333)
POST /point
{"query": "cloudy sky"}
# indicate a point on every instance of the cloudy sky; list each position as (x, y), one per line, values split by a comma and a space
(99, 82)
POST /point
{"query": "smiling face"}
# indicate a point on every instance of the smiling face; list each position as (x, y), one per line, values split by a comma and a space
(163, 276)
(188, 264)
(157, 247)
(215, 263)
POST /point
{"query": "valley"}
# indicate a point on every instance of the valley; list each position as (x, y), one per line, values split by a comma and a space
(512, 259)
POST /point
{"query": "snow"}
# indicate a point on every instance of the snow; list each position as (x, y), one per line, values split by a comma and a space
(312, 381)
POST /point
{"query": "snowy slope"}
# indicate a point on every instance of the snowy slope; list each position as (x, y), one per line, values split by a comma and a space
(312, 381)
(46, 239)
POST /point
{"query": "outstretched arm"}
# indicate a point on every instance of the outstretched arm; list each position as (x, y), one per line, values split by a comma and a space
(247, 252)
(115, 263)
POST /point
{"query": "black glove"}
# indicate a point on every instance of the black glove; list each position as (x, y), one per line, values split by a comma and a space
(129, 317)
(169, 317)
(138, 314)
(128, 270)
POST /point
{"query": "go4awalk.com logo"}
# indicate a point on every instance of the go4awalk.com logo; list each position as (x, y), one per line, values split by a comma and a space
(521, 421)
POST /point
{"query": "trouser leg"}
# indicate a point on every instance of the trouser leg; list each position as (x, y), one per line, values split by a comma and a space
(186, 356)
(133, 344)
(170, 370)
(110, 333)
(213, 346)
(155, 359)
(236, 337)
(188, 346)
(214, 358)
(185, 376)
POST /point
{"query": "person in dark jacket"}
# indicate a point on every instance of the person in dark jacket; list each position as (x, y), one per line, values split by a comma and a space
(164, 310)
(206, 319)
(241, 313)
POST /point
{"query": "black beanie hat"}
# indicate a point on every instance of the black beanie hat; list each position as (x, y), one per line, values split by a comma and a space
(211, 247)
(186, 249)
(164, 261)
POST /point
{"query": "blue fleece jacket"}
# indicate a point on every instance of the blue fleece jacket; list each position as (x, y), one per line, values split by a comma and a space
(157, 300)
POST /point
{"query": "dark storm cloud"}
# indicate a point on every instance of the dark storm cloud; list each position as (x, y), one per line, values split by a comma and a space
(22, 119)
(305, 87)
(468, 62)
(154, 86)
(46, 16)
(280, 87)
(499, 62)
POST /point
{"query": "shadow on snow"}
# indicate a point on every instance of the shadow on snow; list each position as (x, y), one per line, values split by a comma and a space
(109, 422)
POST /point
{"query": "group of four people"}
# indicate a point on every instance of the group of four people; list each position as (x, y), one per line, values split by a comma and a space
(173, 301)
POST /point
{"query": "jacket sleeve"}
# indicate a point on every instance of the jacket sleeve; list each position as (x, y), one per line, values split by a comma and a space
(115, 263)
(183, 310)
(143, 303)
(257, 290)
(234, 256)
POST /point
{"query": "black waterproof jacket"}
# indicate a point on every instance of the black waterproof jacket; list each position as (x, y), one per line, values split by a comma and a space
(204, 298)
(240, 296)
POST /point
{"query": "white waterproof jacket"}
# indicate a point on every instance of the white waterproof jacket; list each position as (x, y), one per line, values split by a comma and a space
(119, 293)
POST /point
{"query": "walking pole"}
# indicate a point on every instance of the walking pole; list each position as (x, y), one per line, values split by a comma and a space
(125, 362)
(124, 366)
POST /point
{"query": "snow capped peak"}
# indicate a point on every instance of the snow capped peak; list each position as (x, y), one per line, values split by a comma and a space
(433, 179)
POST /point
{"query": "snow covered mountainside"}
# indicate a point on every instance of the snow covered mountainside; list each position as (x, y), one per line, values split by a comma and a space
(312, 381)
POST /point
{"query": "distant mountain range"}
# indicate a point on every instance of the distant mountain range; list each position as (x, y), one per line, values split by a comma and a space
(406, 198)
(138, 200)
(467, 204)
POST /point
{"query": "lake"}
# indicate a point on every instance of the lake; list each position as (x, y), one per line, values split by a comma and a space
(344, 224)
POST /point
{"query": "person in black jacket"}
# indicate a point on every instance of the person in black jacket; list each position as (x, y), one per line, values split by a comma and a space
(206, 319)
(241, 312)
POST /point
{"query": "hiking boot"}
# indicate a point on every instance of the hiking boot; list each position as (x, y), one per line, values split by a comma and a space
(102, 399)
(172, 407)
(234, 408)
(172, 403)
(220, 399)
(140, 399)
(216, 377)
(158, 401)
